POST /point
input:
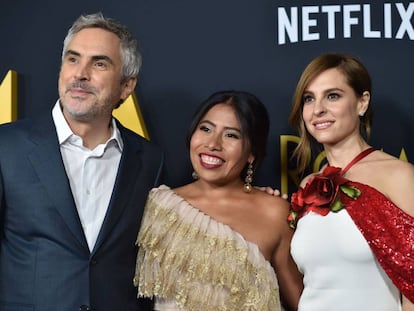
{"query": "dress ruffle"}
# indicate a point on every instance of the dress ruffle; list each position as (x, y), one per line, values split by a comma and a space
(199, 263)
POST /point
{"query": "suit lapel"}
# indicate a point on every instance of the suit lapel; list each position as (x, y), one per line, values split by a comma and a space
(47, 162)
(129, 168)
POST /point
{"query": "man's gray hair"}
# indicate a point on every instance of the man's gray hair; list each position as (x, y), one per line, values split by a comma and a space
(131, 57)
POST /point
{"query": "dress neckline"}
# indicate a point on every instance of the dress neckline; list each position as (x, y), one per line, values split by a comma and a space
(359, 157)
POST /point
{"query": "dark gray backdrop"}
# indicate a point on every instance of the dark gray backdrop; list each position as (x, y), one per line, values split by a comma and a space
(192, 48)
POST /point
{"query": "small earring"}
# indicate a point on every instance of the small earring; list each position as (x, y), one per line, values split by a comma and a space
(194, 175)
(361, 114)
(249, 178)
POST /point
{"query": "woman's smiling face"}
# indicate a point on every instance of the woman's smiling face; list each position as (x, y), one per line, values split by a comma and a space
(218, 149)
(331, 108)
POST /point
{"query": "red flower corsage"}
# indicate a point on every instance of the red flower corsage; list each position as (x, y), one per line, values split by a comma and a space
(321, 195)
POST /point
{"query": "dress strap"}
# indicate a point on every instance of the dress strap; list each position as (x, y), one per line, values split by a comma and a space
(360, 156)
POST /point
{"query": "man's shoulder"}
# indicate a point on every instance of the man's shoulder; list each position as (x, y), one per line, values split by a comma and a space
(133, 141)
(20, 125)
(27, 123)
(134, 137)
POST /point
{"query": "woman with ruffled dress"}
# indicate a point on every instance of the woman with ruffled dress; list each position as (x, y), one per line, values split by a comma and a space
(218, 243)
(354, 237)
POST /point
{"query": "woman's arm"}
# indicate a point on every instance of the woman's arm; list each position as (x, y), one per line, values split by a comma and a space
(400, 191)
(407, 305)
(288, 275)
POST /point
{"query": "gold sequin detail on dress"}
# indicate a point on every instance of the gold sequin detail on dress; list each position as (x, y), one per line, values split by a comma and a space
(199, 263)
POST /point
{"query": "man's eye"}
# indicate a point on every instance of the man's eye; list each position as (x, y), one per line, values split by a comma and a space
(71, 60)
(100, 64)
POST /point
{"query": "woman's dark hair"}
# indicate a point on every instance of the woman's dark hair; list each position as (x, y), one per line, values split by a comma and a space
(251, 113)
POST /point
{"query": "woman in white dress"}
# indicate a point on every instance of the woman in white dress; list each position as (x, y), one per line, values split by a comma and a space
(218, 243)
(354, 219)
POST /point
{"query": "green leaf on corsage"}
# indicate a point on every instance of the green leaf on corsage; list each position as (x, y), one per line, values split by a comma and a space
(292, 219)
(336, 205)
(350, 191)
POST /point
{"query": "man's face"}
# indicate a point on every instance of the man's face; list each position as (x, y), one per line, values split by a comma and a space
(90, 77)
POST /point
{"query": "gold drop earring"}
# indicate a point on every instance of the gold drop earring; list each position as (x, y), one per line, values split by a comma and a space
(249, 179)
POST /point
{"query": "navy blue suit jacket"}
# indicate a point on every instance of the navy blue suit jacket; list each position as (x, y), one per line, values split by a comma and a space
(45, 262)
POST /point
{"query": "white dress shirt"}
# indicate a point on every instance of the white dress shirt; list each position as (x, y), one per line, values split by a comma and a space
(91, 173)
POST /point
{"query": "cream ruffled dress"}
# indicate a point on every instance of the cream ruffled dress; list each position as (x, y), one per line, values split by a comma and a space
(189, 261)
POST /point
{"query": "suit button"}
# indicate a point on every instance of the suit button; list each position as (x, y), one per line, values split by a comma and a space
(84, 308)
(94, 262)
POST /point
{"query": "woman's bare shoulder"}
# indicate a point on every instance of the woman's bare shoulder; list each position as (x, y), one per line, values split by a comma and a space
(390, 166)
(394, 178)
(272, 206)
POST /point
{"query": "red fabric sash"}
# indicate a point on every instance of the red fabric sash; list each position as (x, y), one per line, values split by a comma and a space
(389, 232)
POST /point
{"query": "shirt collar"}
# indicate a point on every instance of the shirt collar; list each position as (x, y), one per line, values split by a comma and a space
(64, 132)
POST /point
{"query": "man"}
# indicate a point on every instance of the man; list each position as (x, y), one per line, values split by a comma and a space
(73, 184)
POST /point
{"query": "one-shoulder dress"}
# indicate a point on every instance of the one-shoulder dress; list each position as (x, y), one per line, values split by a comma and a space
(189, 261)
(354, 259)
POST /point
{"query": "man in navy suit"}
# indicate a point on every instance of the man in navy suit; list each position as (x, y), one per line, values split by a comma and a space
(73, 184)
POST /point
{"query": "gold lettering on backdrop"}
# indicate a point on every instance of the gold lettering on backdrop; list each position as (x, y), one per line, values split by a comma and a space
(130, 115)
(285, 172)
(8, 97)
(318, 161)
(403, 155)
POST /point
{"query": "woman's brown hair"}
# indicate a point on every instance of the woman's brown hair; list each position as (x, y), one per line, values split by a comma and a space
(358, 79)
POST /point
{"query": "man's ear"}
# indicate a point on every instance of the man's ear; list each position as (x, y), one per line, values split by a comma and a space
(128, 87)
